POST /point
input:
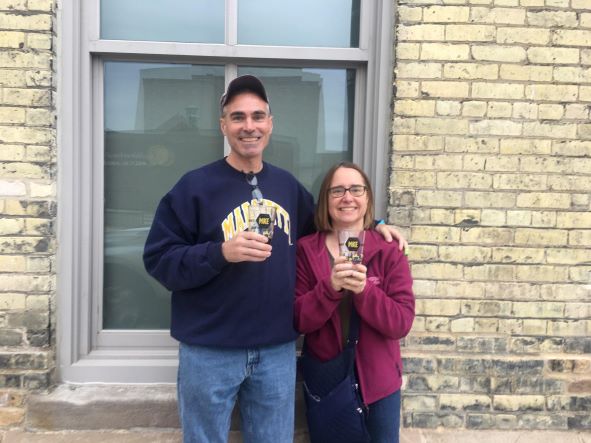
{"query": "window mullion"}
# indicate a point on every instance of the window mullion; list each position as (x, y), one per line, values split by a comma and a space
(231, 72)
(231, 22)
(182, 51)
(365, 15)
(359, 120)
(91, 19)
(98, 186)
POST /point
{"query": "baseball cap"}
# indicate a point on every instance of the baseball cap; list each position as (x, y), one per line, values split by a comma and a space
(244, 83)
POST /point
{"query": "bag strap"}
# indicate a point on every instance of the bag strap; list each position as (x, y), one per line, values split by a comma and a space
(353, 338)
(353, 327)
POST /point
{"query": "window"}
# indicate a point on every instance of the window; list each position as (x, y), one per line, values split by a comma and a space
(139, 107)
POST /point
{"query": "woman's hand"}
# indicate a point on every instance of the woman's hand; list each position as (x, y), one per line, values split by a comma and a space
(340, 269)
(356, 282)
(346, 275)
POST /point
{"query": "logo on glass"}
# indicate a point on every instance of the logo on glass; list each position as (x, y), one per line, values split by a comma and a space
(352, 244)
(264, 220)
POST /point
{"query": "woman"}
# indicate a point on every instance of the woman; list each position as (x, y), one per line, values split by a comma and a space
(380, 289)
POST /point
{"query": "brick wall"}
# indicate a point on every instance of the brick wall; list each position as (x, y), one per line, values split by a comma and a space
(491, 175)
(27, 202)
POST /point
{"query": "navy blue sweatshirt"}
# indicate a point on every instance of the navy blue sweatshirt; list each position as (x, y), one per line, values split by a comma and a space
(216, 303)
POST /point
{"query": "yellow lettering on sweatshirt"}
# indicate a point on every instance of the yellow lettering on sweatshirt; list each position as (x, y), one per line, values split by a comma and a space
(237, 220)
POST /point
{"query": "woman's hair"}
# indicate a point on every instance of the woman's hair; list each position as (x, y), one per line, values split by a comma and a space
(322, 217)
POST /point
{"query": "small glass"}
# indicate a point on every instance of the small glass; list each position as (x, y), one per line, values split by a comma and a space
(351, 245)
(261, 219)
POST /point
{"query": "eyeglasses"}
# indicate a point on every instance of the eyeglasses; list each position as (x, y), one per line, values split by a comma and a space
(339, 191)
(251, 179)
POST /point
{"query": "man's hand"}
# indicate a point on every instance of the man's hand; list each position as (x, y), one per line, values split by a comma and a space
(246, 246)
(389, 232)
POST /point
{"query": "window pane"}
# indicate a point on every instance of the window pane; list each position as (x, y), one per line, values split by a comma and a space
(312, 119)
(161, 120)
(200, 21)
(327, 23)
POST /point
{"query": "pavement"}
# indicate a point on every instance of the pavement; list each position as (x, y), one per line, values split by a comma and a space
(407, 436)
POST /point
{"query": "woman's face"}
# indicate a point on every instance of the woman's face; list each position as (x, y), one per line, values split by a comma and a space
(347, 211)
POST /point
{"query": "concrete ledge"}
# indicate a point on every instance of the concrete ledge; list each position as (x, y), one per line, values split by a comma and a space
(78, 407)
(112, 407)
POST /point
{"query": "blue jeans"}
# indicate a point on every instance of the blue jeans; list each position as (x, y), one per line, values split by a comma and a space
(210, 380)
(383, 419)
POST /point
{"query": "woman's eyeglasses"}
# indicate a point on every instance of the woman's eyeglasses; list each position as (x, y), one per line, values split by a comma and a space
(257, 195)
(339, 191)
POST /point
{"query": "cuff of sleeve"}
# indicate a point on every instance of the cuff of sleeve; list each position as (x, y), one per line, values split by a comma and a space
(363, 295)
(330, 292)
(216, 258)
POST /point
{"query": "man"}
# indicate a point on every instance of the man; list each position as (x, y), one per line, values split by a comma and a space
(233, 290)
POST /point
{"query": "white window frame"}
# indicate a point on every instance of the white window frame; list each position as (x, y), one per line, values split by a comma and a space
(86, 354)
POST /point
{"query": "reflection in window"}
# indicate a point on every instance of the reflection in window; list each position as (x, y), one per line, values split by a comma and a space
(312, 119)
(326, 23)
(191, 21)
(161, 120)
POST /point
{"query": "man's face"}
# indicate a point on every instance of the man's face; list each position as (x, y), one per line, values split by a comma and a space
(247, 124)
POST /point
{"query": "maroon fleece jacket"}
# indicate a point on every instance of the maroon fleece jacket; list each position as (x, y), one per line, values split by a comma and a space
(386, 309)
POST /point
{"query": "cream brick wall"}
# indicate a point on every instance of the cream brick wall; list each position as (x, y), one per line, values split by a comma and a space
(491, 179)
(27, 203)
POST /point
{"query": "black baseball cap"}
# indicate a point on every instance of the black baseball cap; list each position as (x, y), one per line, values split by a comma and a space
(244, 83)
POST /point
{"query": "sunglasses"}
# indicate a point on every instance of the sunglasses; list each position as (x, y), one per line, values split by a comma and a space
(257, 195)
